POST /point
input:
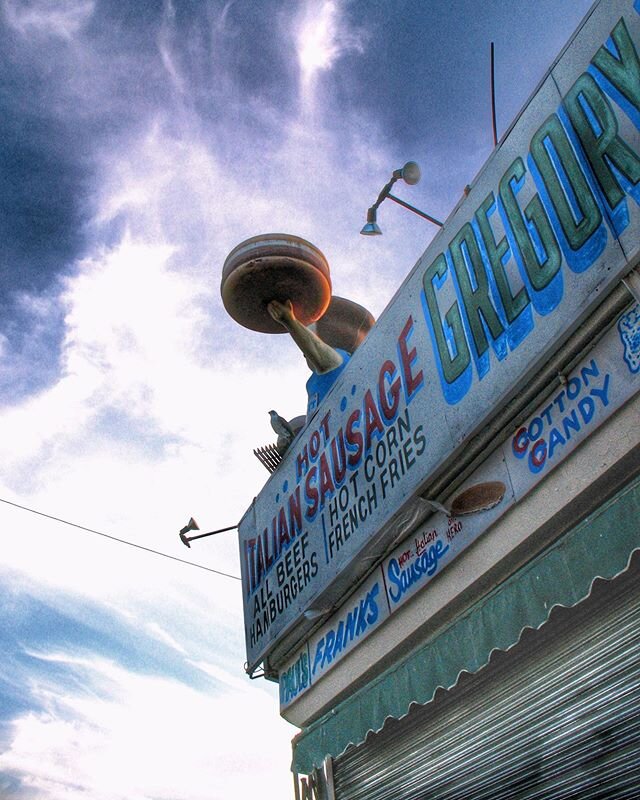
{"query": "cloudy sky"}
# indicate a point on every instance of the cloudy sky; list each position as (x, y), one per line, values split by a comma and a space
(140, 142)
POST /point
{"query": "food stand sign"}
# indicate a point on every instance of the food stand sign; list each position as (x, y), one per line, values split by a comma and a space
(600, 384)
(550, 225)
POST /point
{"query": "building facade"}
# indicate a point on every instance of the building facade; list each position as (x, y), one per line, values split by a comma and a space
(441, 572)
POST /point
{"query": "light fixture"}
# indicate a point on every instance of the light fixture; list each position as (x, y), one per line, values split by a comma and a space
(192, 525)
(410, 174)
(371, 228)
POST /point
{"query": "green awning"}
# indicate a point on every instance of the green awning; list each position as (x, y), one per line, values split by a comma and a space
(599, 547)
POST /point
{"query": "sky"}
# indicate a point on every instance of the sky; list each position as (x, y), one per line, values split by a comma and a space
(139, 143)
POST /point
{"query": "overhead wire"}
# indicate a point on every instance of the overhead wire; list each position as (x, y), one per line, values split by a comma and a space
(116, 539)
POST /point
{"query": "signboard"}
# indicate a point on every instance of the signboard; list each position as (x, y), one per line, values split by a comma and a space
(604, 380)
(550, 225)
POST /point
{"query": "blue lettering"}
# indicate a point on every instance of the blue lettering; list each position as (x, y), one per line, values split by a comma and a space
(499, 343)
(555, 439)
(295, 679)
(357, 621)
(538, 456)
(339, 639)
(318, 656)
(522, 325)
(590, 370)
(583, 258)
(570, 423)
(453, 392)
(545, 300)
(603, 394)
(424, 566)
(587, 409)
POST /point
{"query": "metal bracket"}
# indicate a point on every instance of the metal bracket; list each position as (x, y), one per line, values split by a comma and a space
(632, 283)
(435, 505)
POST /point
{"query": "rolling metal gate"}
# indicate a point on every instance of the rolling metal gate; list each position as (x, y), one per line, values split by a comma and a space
(556, 717)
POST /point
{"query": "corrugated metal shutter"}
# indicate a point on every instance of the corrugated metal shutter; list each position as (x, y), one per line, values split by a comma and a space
(558, 716)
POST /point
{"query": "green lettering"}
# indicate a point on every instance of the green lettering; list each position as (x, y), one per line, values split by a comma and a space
(452, 368)
(552, 134)
(606, 148)
(496, 251)
(540, 272)
(624, 73)
(476, 301)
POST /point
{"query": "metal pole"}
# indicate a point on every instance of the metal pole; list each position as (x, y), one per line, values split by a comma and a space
(384, 192)
(493, 98)
(415, 210)
(186, 539)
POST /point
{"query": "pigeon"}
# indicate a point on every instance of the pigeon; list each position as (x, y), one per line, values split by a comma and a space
(281, 427)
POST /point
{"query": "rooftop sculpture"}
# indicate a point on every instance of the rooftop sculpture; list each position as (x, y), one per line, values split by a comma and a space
(278, 283)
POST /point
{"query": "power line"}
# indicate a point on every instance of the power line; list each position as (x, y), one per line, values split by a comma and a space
(115, 539)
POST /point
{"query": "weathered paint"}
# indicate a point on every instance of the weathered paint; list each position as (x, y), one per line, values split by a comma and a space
(604, 380)
(550, 224)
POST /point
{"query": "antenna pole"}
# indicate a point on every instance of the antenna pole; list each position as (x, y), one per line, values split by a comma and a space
(493, 98)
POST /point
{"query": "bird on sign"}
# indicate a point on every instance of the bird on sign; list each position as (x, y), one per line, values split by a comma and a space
(281, 426)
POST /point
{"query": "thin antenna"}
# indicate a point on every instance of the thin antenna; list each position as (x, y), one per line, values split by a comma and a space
(493, 99)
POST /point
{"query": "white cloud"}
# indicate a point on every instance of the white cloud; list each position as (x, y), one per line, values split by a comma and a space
(146, 737)
(61, 18)
(317, 45)
(322, 36)
(161, 400)
(158, 632)
(163, 397)
(220, 675)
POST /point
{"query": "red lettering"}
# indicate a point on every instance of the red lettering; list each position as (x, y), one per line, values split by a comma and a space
(295, 512)
(314, 444)
(327, 486)
(411, 382)
(371, 419)
(338, 457)
(249, 552)
(354, 438)
(538, 454)
(283, 530)
(390, 400)
(260, 567)
(311, 493)
(520, 442)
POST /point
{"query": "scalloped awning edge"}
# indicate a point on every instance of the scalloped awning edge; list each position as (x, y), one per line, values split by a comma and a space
(601, 546)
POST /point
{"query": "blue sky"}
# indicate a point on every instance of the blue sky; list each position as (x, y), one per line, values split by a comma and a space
(140, 142)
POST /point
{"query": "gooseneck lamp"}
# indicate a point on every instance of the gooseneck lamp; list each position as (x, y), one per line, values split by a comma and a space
(410, 174)
(192, 525)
